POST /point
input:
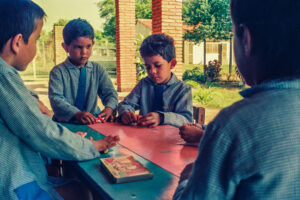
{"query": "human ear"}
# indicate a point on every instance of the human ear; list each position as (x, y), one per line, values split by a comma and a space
(16, 43)
(65, 46)
(246, 39)
(173, 63)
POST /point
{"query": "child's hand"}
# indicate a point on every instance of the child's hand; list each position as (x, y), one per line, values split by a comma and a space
(191, 132)
(150, 119)
(43, 108)
(107, 113)
(82, 134)
(129, 118)
(85, 117)
(106, 142)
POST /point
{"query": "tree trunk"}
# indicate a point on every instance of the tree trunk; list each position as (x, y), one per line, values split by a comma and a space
(204, 53)
(230, 56)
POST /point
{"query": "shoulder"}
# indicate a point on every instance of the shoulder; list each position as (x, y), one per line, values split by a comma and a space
(96, 66)
(178, 84)
(60, 67)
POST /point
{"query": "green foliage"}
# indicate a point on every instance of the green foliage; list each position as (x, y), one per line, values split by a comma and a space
(194, 74)
(212, 71)
(143, 10)
(140, 67)
(61, 22)
(213, 95)
(210, 20)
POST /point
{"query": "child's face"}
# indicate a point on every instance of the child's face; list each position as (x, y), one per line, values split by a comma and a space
(28, 51)
(79, 50)
(159, 69)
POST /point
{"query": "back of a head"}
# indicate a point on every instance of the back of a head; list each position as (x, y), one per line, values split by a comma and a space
(77, 28)
(158, 44)
(18, 16)
(275, 28)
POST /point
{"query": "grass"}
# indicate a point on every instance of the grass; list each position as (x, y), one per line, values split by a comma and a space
(217, 95)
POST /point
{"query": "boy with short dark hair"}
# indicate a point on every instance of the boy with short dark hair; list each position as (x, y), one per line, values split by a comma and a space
(160, 97)
(75, 84)
(26, 133)
(252, 149)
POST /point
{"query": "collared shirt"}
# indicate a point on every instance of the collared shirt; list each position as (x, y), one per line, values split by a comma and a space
(26, 134)
(252, 148)
(63, 86)
(177, 101)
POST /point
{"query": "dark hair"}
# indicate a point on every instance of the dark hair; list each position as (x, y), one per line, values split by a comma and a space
(77, 28)
(158, 44)
(275, 29)
(18, 16)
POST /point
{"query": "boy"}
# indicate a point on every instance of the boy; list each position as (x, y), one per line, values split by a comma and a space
(26, 133)
(75, 83)
(160, 97)
(251, 149)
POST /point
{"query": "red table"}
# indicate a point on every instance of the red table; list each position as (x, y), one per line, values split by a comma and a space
(161, 145)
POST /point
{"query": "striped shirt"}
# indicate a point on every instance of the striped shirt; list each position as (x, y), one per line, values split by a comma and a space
(176, 101)
(63, 86)
(26, 134)
(251, 150)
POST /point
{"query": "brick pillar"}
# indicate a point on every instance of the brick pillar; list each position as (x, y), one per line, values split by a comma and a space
(59, 53)
(125, 44)
(167, 18)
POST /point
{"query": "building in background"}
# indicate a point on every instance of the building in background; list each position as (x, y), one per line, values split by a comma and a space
(192, 53)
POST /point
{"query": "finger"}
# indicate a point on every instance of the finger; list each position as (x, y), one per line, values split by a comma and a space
(133, 117)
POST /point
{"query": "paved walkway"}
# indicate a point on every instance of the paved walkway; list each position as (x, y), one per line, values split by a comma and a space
(40, 86)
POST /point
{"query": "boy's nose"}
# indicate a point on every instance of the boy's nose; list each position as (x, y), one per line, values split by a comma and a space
(153, 70)
(83, 51)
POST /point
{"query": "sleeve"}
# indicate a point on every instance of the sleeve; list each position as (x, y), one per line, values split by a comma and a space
(20, 112)
(213, 175)
(106, 90)
(35, 95)
(183, 111)
(63, 110)
(132, 101)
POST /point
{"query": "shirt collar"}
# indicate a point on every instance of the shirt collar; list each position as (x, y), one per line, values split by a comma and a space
(6, 67)
(72, 66)
(272, 85)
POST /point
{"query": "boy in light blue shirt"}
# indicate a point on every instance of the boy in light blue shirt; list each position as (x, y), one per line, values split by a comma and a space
(75, 84)
(26, 134)
(161, 97)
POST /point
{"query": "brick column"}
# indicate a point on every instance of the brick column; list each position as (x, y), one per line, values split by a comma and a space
(125, 44)
(59, 53)
(167, 18)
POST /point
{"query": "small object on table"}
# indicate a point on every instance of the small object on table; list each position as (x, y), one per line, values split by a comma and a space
(100, 119)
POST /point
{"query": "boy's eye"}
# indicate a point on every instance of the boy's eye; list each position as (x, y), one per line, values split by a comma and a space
(157, 66)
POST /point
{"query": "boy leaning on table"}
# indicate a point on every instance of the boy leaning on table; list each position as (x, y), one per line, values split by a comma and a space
(75, 84)
(251, 150)
(161, 97)
(26, 133)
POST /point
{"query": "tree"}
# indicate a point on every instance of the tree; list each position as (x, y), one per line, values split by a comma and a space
(210, 20)
(143, 10)
(61, 22)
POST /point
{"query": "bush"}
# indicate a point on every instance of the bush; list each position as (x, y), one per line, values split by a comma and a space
(211, 95)
(194, 74)
(212, 71)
